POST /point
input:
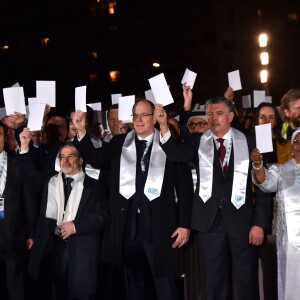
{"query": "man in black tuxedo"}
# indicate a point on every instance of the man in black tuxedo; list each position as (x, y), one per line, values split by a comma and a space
(18, 215)
(230, 223)
(67, 234)
(147, 223)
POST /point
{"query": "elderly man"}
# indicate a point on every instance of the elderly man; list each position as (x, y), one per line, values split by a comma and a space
(73, 213)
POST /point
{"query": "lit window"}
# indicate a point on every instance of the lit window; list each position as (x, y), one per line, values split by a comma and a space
(111, 7)
(114, 75)
(156, 64)
(5, 47)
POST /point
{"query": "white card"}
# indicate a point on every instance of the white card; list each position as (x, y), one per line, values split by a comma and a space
(2, 112)
(36, 114)
(80, 98)
(263, 134)
(95, 106)
(189, 78)
(115, 98)
(45, 92)
(149, 96)
(125, 108)
(258, 97)
(14, 100)
(246, 101)
(234, 80)
(161, 90)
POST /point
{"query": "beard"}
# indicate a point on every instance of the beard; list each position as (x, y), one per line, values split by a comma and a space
(296, 122)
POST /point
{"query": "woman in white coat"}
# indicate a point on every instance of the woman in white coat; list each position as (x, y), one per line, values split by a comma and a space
(285, 181)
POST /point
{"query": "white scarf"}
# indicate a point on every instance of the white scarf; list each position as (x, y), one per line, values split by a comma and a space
(156, 169)
(241, 165)
(3, 171)
(56, 199)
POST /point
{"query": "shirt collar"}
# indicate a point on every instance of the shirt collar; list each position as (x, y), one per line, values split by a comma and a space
(226, 137)
(148, 138)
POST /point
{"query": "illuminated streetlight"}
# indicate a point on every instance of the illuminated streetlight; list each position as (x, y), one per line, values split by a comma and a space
(264, 58)
(263, 40)
(263, 76)
(156, 64)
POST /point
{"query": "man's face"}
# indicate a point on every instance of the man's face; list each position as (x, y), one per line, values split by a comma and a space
(2, 139)
(113, 121)
(293, 113)
(198, 125)
(70, 162)
(219, 118)
(61, 124)
(143, 119)
(36, 137)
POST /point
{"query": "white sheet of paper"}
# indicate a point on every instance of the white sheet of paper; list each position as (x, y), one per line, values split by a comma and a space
(14, 100)
(115, 98)
(234, 80)
(27, 111)
(189, 77)
(161, 90)
(258, 97)
(268, 99)
(125, 108)
(45, 92)
(263, 134)
(36, 114)
(246, 101)
(16, 84)
(149, 96)
(95, 106)
(80, 98)
(199, 107)
(2, 112)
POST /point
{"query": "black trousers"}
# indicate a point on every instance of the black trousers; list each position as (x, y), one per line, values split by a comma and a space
(13, 271)
(140, 282)
(226, 257)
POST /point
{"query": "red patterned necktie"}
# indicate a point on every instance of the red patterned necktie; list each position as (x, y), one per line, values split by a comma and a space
(222, 152)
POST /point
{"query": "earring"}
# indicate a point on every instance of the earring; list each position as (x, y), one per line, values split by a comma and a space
(292, 153)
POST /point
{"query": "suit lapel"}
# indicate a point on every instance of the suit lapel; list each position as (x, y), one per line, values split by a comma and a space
(85, 196)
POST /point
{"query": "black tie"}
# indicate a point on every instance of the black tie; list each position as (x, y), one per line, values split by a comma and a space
(69, 180)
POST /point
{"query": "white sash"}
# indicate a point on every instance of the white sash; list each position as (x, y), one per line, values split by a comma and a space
(56, 198)
(241, 164)
(291, 192)
(156, 169)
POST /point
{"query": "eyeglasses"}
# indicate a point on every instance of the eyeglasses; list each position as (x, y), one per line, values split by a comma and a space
(142, 116)
(67, 157)
(198, 125)
(297, 142)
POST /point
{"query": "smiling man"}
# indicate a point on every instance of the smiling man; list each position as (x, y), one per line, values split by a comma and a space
(73, 212)
(147, 224)
(230, 223)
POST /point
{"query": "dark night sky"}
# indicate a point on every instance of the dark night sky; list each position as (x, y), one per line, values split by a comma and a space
(210, 38)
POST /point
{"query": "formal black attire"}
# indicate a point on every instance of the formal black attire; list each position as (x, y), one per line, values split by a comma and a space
(148, 232)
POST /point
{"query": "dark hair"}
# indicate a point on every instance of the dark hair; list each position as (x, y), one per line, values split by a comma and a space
(113, 106)
(278, 121)
(216, 100)
(69, 145)
(289, 96)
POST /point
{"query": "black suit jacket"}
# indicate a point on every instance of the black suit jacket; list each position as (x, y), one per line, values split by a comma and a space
(83, 245)
(20, 212)
(237, 221)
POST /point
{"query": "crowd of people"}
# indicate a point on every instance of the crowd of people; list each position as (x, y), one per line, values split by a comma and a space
(154, 209)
